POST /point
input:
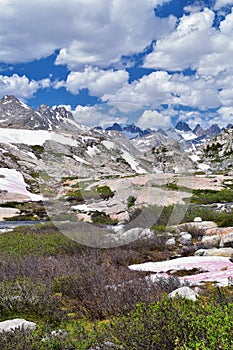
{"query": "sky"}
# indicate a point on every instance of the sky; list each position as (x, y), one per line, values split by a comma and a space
(148, 62)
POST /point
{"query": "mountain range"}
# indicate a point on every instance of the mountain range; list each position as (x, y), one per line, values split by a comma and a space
(46, 154)
(28, 136)
(132, 131)
(15, 114)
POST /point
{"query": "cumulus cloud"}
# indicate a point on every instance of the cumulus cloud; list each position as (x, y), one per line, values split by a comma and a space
(154, 120)
(161, 87)
(21, 86)
(97, 81)
(221, 3)
(94, 116)
(186, 45)
(96, 32)
(225, 116)
(196, 44)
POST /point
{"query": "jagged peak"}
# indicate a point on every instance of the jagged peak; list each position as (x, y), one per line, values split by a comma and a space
(182, 126)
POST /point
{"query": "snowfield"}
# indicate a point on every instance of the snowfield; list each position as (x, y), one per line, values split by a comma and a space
(211, 269)
(33, 137)
(12, 181)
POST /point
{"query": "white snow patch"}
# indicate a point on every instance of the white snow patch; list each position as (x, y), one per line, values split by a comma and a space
(30, 154)
(203, 166)
(194, 157)
(92, 151)
(24, 105)
(133, 163)
(80, 160)
(108, 144)
(13, 182)
(187, 135)
(33, 137)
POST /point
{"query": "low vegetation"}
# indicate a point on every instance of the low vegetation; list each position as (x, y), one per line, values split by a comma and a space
(84, 298)
(211, 196)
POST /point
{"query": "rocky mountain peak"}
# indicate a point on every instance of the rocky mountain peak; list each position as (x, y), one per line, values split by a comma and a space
(16, 114)
(60, 114)
(213, 130)
(198, 130)
(115, 127)
(182, 126)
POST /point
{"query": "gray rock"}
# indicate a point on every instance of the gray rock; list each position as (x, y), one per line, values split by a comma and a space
(16, 323)
(147, 233)
(170, 242)
(184, 292)
(227, 240)
(227, 252)
(197, 219)
(185, 238)
(212, 241)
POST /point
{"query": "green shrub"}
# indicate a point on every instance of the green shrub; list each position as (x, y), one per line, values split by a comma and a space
(29, 299)
(105, 192)
(24, 241)
(101, 218)
(131, 201)
(211, 196)
(174, 324)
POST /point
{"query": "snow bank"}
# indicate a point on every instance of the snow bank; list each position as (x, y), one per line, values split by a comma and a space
(33, 137)
(12, 181)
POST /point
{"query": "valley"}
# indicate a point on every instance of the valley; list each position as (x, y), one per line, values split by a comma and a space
(97, 223)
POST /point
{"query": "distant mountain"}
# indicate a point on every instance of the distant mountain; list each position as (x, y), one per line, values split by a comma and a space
(213, 130)
(198, 130)
(115, 127)
(130, 131)
(182, 126)
(16, 114)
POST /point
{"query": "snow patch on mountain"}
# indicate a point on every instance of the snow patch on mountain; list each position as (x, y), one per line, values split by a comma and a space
(12, 181)
(80, 160)
(132, 162)
(108, 144)
(33, 137)
(186, 135)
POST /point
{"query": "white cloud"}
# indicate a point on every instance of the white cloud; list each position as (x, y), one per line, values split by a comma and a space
(150, 90)
(94, 116)
(162, 88)
(196, 44)
(221, 3)
(96, 32)
(21, 86)
(154, 120)
(97, 81)
(225, 116)
(184, 46)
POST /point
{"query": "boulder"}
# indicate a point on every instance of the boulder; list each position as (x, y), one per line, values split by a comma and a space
(219, 231)
(201, 226)
(16, 323)
(84, 217)
(185, 238)
(227, 252)
(227, 240)
(147, 233)
(184, 292)
(170, 242)
(212, 241)
(122, 217)
(197, 219)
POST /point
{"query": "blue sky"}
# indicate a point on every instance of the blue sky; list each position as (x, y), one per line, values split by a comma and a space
(148, 62)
